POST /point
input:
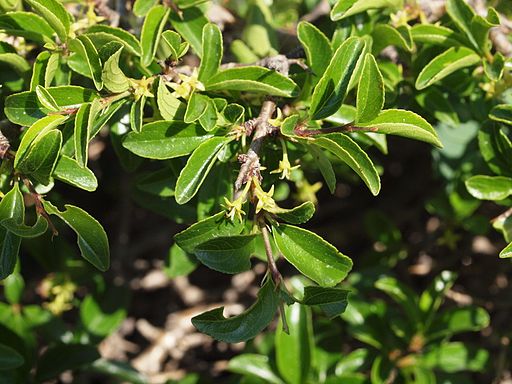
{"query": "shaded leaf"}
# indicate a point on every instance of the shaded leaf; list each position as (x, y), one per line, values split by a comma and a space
(152, 28)
(370, 91)
(332, 301)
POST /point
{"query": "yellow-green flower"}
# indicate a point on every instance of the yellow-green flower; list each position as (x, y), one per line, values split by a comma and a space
(285, 168)
(142, 87)
(265, 200)
(187, 86)
(235, 208)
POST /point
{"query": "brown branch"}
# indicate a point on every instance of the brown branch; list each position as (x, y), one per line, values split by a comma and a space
(4, 146)
(262, 128)
(39, 204)
(279, 63)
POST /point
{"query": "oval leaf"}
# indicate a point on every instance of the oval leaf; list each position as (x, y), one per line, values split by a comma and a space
(151, 31)
(212, 52)
(489, 187)
(370, 91)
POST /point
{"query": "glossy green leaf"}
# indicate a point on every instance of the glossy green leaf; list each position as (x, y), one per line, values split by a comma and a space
(24, 109)
(436, 35)
(404, 123)
(324, 164)
(99, 321)
(91, 237)
(345, 8)
(84, 47)
(169, 106)
(507, 251)
(108, 34)
(252, 79)
(180, 263)
(63, 357)
(253, 365)
(190, 25)
(11, 206)
(55, 14)
(113, 77)
(198, 165)
(142, 7)
(349, 152)
(212, 227)
(294, 349)
(196, 107)
(332, 301)
(165, 139)
(212, 52)
(446, 63)
(84, 121)
(71, 172)
(502, 113)
(317, 47)
(169, 46)
(229, 254)
(312, 255)
(152, 28)
(384, 35)
(43, 69)
(489, 187)
(297, 215)
(370, 91)
(244, 326)
(41, 157)
(330, 91)
(455, 357)
(46, 99)
(480, 27)
(10, 358)
(25, 231)
(27, 25)
(137, 114)
(495, 70)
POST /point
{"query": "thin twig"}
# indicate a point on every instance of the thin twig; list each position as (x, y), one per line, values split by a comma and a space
(39, 204)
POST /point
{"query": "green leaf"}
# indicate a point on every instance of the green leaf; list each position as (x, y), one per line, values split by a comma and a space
(119, 370)
(24, 109)
(84, 121)
(106, 33)
(496, 149)
(445, 64)
(384, 35)
(55, 14)
(17, 62)
(404, 123)
(294, 349)
(84, 47)
(489, 187)
(370, 91)
(98, 320)
(169, 106)
(63, 357)
(349, 152)
(252, 79)
(13, 288)
(212, 52)
(436, 35)
(254, 365)
(332, 301)
(11, 206)
(432, 298)
(495, 70)
(330, 91)
(25, 231)
(137, 114)
(297, 215)
(507, 251)
(311, 255)
(458, 320)
(229, 254)
(113, 77)
(198, 165)
(325, 166)
(69, 171)
(196, 107)
(403, 296)
(455, 357)
(46, 99)
(165, 139)
(480, 28)
(346, 8)
(317, 47)
(10, 358)
(180, 263)
(43, 70)
(244, 326)
(152, 28)
(92, 239)
(502, 113)
(170, 46)
(190, 25)
(212, 227)
(41, 157)
(27, 25)
(142, 7)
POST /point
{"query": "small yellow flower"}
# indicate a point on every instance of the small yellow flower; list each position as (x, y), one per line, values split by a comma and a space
(60, 293)
(285, 168)
(235, 208)
(187, 86)
(142, 87)
(265, 200)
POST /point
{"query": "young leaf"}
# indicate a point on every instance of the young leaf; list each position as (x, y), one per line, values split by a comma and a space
(55, 14)
(151, 31)
(11, 206)
(69, 171)
(446, 63)
(210, 228)
(507, 251)
(317, 47)
(196, 107)
(190, 24)
(502, 113)
(25, 231)
(10, 358)
(43, 70)
(165, 139)
(312, 255)
(489, 187)
(107, 33)
(198, 165)
(294, 349)
(345, 8)
(404, 123)
(83, 126)
(91, 237)
(137, 114)
(180, 263)
(113, 77)
(370, 92)
(212, 52)
(349, 152)
(297, 215)
(46, 99)
(244, 326)
(252, 79)
(332, 301)
(330, 91)
(84, 47)
(169, 106)
(229, 254)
